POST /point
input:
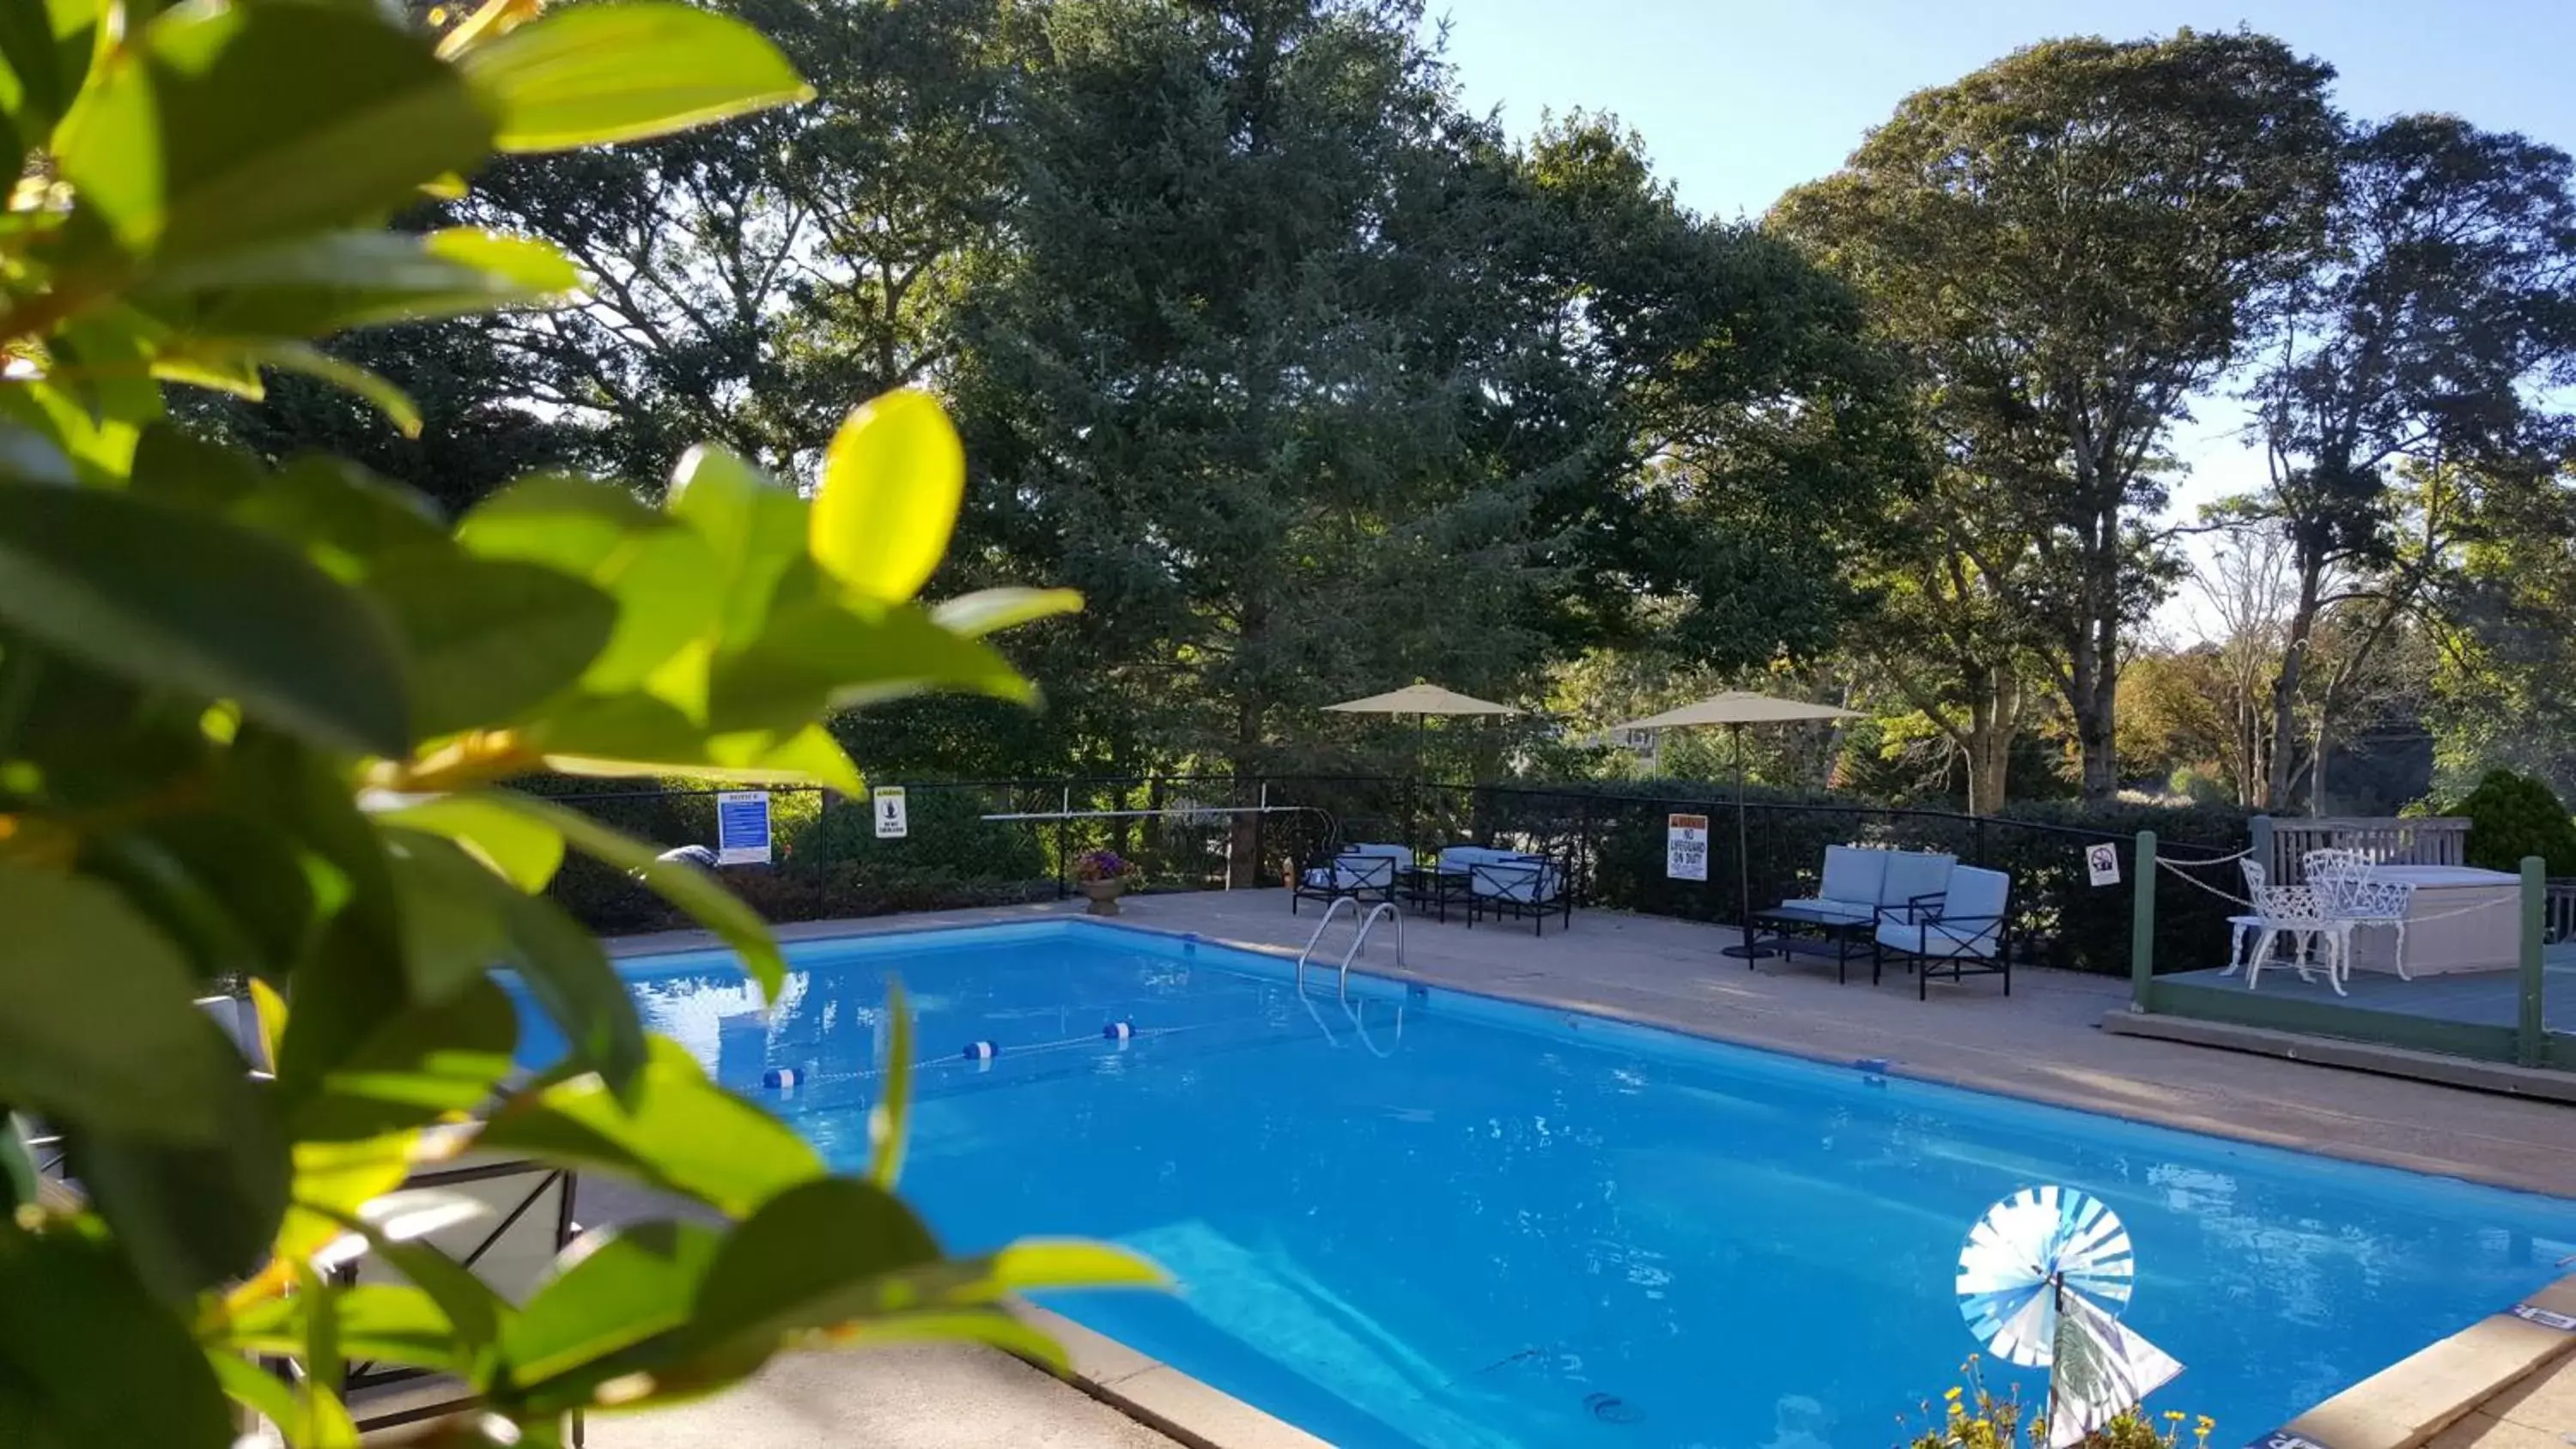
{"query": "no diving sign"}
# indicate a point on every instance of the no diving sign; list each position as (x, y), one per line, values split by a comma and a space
(2102, 863)
(893, 817)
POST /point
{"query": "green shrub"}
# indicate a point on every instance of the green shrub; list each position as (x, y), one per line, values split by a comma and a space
(946, 836)
(2512, 816)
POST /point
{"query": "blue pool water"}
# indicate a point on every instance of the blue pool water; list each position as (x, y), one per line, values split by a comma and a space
(1454, 1221)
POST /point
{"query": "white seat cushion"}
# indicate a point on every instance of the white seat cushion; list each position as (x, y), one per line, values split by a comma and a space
(1936, 940)
(1914, 874)
(1526, 881)
(1853, 874)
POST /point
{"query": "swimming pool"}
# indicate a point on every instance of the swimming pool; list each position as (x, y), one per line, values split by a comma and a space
(1439, 1219)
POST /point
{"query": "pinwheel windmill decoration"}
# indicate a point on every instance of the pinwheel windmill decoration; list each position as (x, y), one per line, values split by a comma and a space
(2042, 1279)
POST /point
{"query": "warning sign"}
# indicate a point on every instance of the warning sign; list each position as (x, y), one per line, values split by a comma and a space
(1686, 847)
(2102, 863)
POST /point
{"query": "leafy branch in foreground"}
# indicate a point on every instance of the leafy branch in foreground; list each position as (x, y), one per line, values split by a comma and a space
(256, 724)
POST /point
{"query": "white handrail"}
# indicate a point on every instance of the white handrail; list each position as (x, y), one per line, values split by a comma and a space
(1330, 911)
(1382, 908)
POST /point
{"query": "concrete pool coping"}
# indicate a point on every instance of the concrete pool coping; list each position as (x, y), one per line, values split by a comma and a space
(2042, 1044)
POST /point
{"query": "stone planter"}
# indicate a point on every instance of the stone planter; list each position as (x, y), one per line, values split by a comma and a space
(1103, 895)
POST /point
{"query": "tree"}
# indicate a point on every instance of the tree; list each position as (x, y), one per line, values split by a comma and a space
(2070, 244)
(1945, 634)
(749, 280)
(2502, 616)
(258, 725)
(475, 431)
(2442, 294)
(1314, 385)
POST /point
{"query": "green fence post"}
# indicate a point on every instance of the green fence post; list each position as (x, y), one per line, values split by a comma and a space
(2530, 1037)
(2259, 843)
(2142, 925)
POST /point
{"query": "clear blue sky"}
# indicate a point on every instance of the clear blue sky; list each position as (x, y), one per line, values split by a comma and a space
(1741, 99)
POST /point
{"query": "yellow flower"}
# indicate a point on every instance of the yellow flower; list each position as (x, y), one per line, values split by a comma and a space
(1954, 1393)
(2174, 1416)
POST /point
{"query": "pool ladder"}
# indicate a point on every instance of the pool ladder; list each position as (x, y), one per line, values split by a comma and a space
(1383, 909)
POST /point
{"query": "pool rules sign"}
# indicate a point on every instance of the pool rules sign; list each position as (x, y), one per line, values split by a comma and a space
(1686, 847)
(742, 827)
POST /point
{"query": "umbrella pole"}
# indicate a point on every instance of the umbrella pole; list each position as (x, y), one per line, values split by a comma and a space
(1748, 952)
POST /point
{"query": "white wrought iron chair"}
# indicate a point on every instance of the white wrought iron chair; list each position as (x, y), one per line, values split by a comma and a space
(2294, 911)
(2346, 880)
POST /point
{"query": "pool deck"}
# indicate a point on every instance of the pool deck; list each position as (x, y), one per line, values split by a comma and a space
(2043, 1043)
(2476, 998)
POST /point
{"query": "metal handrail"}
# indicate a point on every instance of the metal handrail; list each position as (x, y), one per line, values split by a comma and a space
(1357, 1011)
(1330, 911)
(1382, 908)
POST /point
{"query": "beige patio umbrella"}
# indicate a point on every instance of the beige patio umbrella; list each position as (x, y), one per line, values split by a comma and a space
(1735, 709)
(1420, 701)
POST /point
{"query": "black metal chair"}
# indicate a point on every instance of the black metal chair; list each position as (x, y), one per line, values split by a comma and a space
(1968, 930)
(1360, 872)
(1531, 887)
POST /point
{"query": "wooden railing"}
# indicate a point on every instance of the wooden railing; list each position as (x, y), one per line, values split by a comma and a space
(2393, 840)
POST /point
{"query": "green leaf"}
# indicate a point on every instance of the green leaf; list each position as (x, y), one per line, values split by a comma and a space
(991, 1326)
(223, 125)
(683, 1133)
(346, 519)
(663, 576)
(315, 286)
(173, 465)
(640, 734)
(631, 1284)
(484, 641)
(253, 1386)
(475, 1314)
(321, 1422)
(81, 1365)
(460, 920)
(44, 53)
(893, 480)
(230, 888)
(571, 978)
(808, 1259)
(98, 1028)
(525, 851)
(889, 1121)
(169, 597)
(756, 527)
(339, 1177)
(609, 72)
(451, 934)
(684, 885)
(989, 611)
(819, 651)
(414, 1067)
(192, 1215)
(380, 1322)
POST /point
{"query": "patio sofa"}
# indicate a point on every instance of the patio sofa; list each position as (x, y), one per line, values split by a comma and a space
(1860, 886)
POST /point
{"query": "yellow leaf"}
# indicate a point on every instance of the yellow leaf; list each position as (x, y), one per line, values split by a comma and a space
(892, 483)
